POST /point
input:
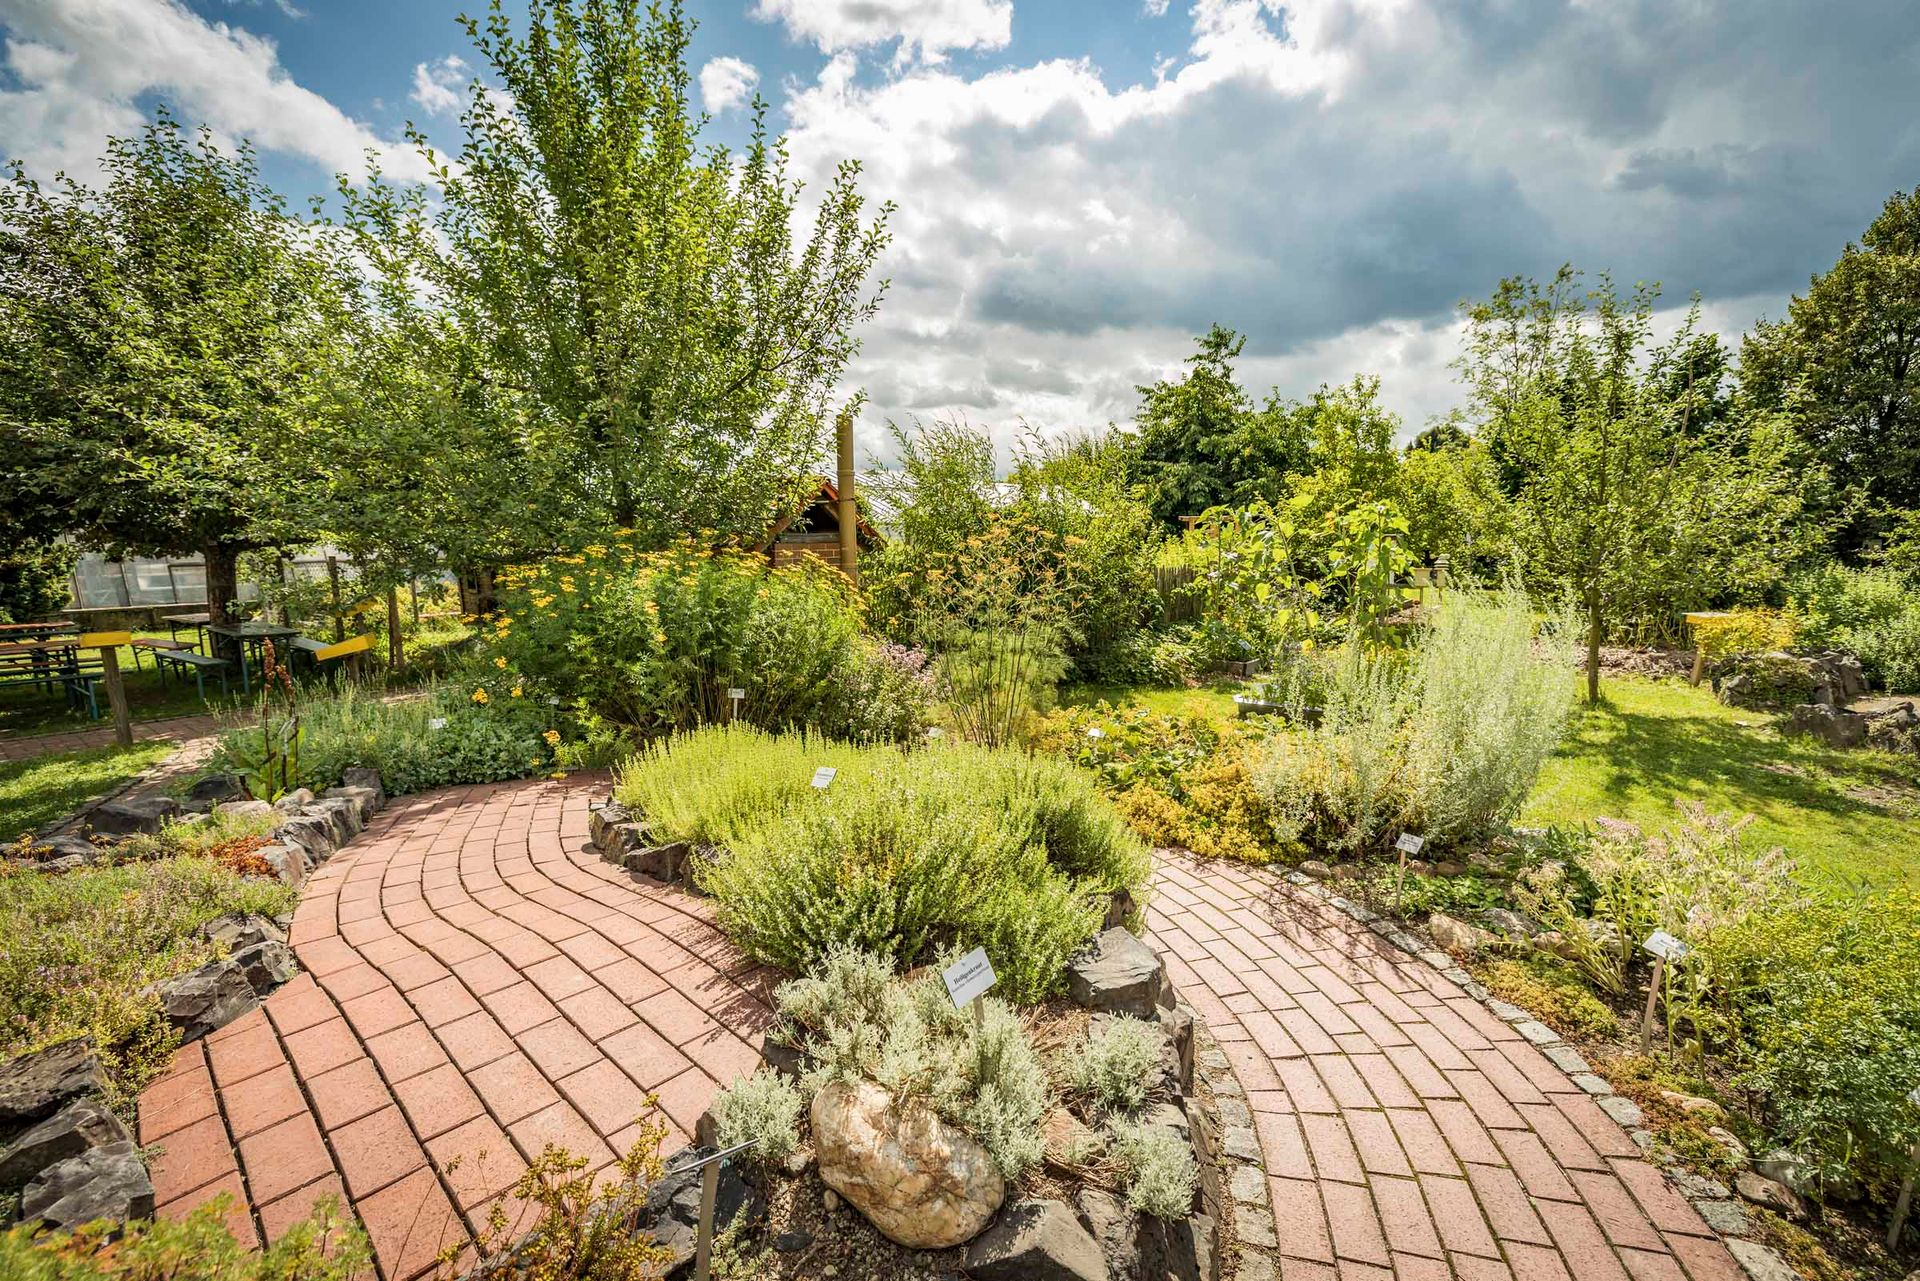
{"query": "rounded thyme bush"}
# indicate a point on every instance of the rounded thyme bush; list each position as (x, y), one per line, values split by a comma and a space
(902, 855)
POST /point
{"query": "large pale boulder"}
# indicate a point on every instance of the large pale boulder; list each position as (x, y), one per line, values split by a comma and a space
(920, 1181)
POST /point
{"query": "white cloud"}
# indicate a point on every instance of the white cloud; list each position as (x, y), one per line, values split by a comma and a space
(1155, 8)
(932, 27)
(1331, 181)
(81, 67)
(439, 87)
(726, 83)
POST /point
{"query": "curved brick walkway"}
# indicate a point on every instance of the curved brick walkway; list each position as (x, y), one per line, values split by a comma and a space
(475, 985)
(1407, 1132)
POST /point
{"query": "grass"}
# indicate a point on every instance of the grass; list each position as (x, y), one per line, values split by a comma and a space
(1212, 700)
(37, 791)
(82, 948)
(1849, 818)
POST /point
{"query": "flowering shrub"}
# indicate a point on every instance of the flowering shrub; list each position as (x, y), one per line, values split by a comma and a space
(656, 640)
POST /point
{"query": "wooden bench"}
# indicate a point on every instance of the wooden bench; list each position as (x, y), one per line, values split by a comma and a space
(349, 649)
(198, 664)
(153, 645)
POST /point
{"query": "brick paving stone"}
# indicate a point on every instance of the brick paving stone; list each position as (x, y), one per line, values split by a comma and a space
(268, 1099)
(238, 1218)
(409, 1224)
(190, 1158)
(1387, 1069)
(283, 1157)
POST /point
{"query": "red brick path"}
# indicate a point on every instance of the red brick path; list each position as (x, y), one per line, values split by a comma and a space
(22, 747)
(1407, 1132)
(475, 986)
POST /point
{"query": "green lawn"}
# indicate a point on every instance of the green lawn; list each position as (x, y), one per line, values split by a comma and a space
(39, 790)
(1214, 700)
(1851, 817)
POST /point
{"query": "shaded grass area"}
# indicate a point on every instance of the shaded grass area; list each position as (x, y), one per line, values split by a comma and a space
(1849, 818)
(37, 791)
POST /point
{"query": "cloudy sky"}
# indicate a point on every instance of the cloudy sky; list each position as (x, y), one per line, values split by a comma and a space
(1086, 184)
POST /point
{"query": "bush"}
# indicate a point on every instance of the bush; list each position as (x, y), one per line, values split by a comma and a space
(1445, 740)
(1746, 631)
(1775, 681)
(329, 1246)
(1177, 781)
(762, 1109)
(1156, 1167)
(900, 856)
(82, 949)
(1822, 1001)
(474, 731)
(654, 640)
(1870, 613)
(1119, 1064)
(855, 1021)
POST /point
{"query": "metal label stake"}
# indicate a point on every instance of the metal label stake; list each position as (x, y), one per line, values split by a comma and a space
(1905, 1201)
(709, 1168)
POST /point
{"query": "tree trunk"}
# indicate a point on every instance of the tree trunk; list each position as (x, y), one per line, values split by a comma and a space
(223, 595)
(395, 657)
(1594, 622)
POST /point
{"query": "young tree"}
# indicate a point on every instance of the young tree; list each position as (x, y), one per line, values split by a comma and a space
(1202, 444)
(1618, 497)
(637, 308)
(1844, 364)
(164, 334)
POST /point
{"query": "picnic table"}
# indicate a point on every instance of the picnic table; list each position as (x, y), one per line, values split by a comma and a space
(56, 660)
(250, 638)
(175, 622)
(35, 631)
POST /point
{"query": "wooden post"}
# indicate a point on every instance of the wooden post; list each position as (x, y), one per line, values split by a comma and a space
(1906, 1199)
(333, 581)
(849, 508)
(395, 659)
(1653, 995)
(703, 1245)
(117, 695)
(413, 590)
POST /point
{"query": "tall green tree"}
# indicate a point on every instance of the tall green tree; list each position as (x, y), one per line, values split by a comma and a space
(639, 309)
(1620, 497)
(1201, 443)
(164, 333)
(1844, 364)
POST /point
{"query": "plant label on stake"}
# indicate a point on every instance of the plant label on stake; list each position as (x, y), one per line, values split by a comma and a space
(734, 696)
(823, 777)
(1665, 949)
(1905, 1200)
(1407, 844)
(967, 981)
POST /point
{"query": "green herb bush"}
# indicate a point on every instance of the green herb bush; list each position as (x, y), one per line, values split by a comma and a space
(472, 729)
(856, 1021)
(1156, 1168)
(1119, 1064)
(655, 640)
(762, 1109)
(1871, 613)
(1445, 739)
(81, 948)
(901, 855)
(329, 1246)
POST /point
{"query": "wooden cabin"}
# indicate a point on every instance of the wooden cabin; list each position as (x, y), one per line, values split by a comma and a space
(814, 530)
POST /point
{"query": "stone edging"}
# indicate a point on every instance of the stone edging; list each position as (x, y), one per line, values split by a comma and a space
(1713, 1200)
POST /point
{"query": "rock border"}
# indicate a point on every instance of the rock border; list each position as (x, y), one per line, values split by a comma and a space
(1715, 1202)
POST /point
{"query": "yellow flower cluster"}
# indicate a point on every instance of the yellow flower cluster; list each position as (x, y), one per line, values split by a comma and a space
(480, 697)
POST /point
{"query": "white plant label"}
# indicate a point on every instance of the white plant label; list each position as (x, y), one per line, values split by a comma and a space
(1914, 1098)
(1096, 732)
(824, 776)
(736, 694)
(1409, 843)
(438, 722)
(1665, 946)
(969, 977)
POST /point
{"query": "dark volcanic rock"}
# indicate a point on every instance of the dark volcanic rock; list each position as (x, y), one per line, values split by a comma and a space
(1118, 974)
(135, 814)
(673, 1205)
(84, 1123)
(1035, 1241)
(266, 965)
(37, 1085)
(218, 787)
(207, 999)
(104, 1183)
